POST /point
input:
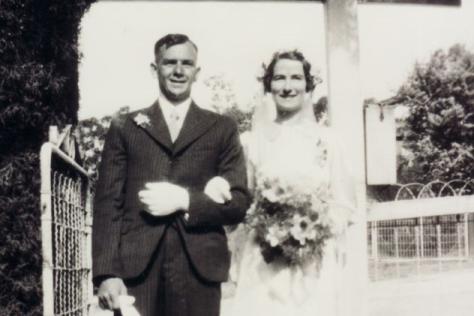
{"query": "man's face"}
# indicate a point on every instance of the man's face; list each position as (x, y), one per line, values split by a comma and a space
(177, 71)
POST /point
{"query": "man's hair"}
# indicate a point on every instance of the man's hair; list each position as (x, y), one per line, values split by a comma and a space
(291, 55)
(170, 40)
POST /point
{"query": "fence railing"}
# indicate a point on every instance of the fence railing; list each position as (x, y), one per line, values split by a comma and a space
(66, 234)
(412, 237)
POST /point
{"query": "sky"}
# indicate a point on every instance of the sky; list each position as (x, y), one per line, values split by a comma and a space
(235, 38)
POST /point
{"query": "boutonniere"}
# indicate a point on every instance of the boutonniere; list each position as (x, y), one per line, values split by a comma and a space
(142, 120)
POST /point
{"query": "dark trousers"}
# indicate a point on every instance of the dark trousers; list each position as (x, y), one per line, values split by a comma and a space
(170, 285)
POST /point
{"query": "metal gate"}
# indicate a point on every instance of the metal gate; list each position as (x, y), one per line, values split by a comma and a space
(66, 234)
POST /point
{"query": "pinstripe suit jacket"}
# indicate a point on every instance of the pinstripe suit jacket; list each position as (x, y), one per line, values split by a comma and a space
(124, 235)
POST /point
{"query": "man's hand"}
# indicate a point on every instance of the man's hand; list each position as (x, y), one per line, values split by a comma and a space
(164, 198)
(109, 292)
(218, 189)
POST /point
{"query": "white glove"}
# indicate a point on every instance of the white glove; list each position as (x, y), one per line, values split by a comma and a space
(218, 189)
(164, 198)
(125, 306)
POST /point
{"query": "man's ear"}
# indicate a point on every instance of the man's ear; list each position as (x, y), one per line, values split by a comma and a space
(154, 70)
(196, 74)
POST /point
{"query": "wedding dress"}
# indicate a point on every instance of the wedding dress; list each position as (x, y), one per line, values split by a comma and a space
(276, 288)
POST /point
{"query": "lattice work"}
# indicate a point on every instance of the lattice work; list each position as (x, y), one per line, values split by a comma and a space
(66, 230)
(404, 247)
(70, 234)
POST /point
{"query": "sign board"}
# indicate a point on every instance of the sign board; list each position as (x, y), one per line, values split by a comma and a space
(381, 145)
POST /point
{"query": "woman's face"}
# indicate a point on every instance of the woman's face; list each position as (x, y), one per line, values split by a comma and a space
(288, 85)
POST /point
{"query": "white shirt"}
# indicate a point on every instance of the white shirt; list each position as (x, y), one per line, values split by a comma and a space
(172, 111)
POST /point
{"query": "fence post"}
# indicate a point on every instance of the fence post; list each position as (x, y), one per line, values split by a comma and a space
(46, 230)
(438, 245)
(375, 248)
(466, 235)
(397, 253)
(459, 240)
(417, 249)
(422, 242)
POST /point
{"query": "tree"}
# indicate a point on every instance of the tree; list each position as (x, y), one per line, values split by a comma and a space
(439, 129)
(91, 136)
(224, 101)
(38, 87)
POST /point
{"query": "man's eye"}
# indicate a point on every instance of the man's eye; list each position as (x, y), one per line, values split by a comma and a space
(168, 62)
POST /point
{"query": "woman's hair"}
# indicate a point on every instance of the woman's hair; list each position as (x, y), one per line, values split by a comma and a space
(311, 80)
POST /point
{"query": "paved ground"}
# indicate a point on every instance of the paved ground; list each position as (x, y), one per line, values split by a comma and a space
(441, 294)
(447, 293)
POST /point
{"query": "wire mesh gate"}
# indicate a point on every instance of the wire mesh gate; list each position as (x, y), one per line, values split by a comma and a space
(66, 234)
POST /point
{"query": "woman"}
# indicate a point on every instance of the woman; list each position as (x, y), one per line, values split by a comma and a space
(293, 257)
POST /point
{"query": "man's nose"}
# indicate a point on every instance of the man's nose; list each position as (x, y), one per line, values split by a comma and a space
(178, 69)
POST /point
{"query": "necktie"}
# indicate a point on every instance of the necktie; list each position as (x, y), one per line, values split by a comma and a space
(174, 125)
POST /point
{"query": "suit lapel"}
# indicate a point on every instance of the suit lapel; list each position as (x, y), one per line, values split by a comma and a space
(196, 123)
(157, 127)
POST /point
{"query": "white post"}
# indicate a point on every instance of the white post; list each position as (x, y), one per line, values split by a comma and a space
(346, 118)
(422, 234)
(417, 246)
(397, 250)
(466, 235)
(459, 240)
(88, 254)
(46, 230)
(375, 249)
(438, 245)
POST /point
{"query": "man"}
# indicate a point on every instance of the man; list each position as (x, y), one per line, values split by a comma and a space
(171, 176)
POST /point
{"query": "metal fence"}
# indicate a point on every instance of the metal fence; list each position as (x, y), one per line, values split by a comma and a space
(66, 234)
(429, 233)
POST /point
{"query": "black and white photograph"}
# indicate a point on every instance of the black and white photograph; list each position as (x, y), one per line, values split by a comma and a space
(237, 158)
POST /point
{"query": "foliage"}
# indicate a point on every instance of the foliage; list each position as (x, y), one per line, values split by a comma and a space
(91, 140)
(38, 87)
(224, 101)
(439, 130)
(320, 110)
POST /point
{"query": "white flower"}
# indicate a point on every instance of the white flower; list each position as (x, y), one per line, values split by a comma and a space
(142, 120)
(270, 195)
(275, 236)
(303, 229)
(98, 144)
(89, 153)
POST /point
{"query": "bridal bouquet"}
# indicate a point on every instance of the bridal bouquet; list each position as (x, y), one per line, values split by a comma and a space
(291, 214)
